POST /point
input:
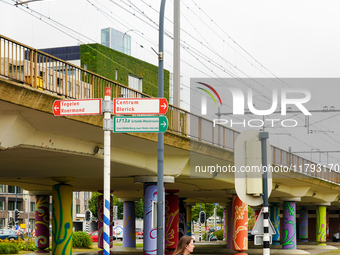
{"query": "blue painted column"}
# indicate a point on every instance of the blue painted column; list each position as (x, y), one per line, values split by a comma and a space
(275, 219)
(303, 225)
(182, 218)
(289, 226)
(129, 224)
(62, 219)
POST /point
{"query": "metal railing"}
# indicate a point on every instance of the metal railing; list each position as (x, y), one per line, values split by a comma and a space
(45, 72)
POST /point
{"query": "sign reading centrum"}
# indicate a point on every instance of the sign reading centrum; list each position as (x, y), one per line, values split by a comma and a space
(77, 107)
(140, 124)
(140, 106)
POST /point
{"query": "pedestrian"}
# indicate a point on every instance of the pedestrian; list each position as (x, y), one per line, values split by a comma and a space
(185, 246)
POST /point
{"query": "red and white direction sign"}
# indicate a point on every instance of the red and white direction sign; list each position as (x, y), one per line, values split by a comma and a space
(140, 105)
(77, 107)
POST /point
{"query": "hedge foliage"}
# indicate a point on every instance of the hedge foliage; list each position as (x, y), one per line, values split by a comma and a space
(106, 62)
(81, 240)
(9, 248)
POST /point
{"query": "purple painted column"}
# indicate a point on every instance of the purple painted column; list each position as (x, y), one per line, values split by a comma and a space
(182, 218)
(100, 221)
(289, 226)
(303, 225)
(230, 226)
(224, 224)
(42, 221)
(129, 224)
(150, 234)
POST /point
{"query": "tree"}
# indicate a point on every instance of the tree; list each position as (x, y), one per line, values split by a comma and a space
(139, 209)
(208, 208)
(93, 203)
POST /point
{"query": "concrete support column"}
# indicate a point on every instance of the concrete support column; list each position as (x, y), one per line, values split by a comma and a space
(321, 224)
(224, 223)
(62, 223)
(150, 196)
(171, 220)
(189, 231)
(289, 226)
(327, 224)
(42, 221)
(275, 219)
(240, 222)
(182, 218)
(150, 234)
(129, 224)
(230, 225)
(303, 225)
(101, 221)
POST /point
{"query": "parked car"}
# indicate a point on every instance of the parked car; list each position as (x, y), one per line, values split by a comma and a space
(8, 234)
(94, 236)
(139, 233)
(336, 237)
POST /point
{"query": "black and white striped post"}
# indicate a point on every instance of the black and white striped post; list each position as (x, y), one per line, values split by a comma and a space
(266, 237)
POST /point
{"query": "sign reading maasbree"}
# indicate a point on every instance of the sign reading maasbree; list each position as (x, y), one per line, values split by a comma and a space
(140, 106)
(140, 124)
(77, 107)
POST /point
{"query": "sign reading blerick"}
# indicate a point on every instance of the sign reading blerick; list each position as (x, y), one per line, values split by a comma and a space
(140, 105)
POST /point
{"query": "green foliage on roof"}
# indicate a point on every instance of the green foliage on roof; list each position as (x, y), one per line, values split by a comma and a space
(105, 61)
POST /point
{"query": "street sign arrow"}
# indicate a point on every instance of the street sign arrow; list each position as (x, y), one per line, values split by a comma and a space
(140, 105)
(77, 107)
(140, 124)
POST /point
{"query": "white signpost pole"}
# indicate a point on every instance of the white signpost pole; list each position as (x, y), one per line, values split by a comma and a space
(107, 175)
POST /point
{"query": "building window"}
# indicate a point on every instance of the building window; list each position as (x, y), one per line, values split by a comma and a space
(77, 208)
(135, 83)
(11, 205)
(2, 188)
(2, 223)
(76, 194)
(51, 79)
(2, 206)
(32, 224)
(32, 207)
(11, 189)
(59, 82)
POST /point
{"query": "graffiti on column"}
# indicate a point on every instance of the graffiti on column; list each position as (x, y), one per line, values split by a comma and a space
(321, 224)
(150, 234)
(303, 233)
(171, 221)
(289, 226)
(129, 233)
(188, 220)
(240, 219)
(182, 219)
(224, 223)
(62, 213)
(42, 205)
(275, 218)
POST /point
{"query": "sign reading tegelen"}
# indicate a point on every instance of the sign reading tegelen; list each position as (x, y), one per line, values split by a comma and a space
(140, 124)
(77, 107)
(140, 106)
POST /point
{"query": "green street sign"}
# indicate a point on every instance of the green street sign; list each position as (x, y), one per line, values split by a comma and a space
(140, 124)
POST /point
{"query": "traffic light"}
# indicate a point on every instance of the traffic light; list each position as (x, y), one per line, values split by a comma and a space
(202, 217)
(87, 215)
(16, 215)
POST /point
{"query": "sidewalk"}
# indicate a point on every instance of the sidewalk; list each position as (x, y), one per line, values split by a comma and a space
(221, 248)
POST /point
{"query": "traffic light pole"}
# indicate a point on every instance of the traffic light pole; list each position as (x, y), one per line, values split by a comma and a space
(266, 237)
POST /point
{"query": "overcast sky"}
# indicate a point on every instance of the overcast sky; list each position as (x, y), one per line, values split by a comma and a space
(220, 38)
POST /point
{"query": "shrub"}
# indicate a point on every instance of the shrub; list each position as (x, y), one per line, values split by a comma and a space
(8, 248)
(81, 240)
(27, 245)
(219, 234)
